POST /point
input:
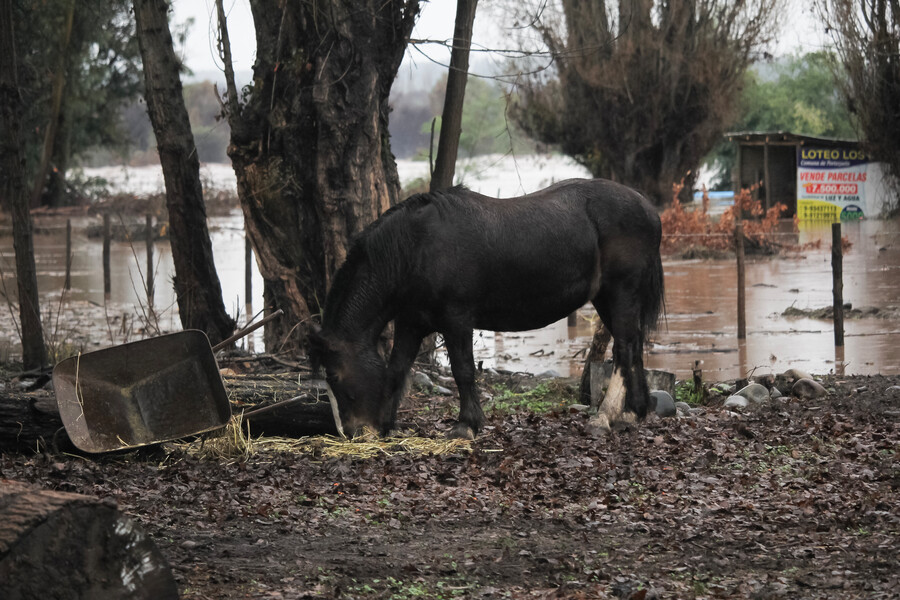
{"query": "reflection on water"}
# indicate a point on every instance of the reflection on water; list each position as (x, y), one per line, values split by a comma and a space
(128, 263)
(700, 322)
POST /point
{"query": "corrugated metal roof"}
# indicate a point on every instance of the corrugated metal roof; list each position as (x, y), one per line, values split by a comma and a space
(786, 137)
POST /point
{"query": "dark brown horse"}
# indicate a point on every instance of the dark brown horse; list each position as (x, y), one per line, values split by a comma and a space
(455, 261)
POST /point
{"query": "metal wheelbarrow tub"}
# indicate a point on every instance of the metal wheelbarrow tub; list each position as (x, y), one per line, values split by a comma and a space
(141, 393)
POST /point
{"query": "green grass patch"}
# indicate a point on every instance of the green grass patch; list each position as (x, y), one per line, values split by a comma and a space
(546, 397)
(685, 391)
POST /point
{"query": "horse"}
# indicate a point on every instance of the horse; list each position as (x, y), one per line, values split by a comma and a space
(454, 261)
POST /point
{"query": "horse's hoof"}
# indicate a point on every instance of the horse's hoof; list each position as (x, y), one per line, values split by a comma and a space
(461, 431)
(598, 426)
(627, 418)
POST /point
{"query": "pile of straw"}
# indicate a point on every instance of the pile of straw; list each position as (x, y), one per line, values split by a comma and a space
(236, 444)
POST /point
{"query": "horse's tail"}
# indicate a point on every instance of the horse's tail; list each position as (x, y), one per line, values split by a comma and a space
(653, 296)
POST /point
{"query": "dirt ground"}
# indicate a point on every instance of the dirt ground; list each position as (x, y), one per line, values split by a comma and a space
(791, 498)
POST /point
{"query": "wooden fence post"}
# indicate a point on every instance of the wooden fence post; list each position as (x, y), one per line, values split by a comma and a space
(741, 298)
(106, 241)
(248, 286)
(150, 286)
(67, 284)
(837, 274)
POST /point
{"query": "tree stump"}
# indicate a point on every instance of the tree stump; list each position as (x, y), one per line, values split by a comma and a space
(60, 545)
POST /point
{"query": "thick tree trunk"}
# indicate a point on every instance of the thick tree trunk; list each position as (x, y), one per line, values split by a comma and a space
(197, 286)
(451, 117)
(311, 148)
(14, 195)
(60, 545)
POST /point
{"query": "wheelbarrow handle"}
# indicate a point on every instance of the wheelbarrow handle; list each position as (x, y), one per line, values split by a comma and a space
(246, 330)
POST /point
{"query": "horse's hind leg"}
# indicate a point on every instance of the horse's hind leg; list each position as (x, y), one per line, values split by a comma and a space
(462, 362)
(627, 396)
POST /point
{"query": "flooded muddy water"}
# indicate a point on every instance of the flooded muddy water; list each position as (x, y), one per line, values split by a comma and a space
(701, 314)
(701, 307)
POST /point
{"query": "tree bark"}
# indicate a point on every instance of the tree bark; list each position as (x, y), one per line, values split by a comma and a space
(596, 352)
(197, 286)
(451, 117)
(14, 195)
(60, 545)
(311, 148)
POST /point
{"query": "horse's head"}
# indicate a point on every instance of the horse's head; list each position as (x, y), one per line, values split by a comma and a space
(355, 375)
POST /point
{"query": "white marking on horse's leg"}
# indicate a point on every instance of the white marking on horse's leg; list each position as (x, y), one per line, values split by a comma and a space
(615, 397)
(599, 424)
(334, 410)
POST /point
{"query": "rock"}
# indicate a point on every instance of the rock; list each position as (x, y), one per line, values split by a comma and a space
(576, 408)
(775, 393)
(894, 389)
(491, 371)
(683, 407)
(421, 380)
(665, 404)
(754, 392)
(736, 402)
(796, 374)
(807, 389)
(439, 389)
(549, 374)
(767, 379)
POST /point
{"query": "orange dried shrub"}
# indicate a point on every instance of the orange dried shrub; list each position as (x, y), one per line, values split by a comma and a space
(685, 231)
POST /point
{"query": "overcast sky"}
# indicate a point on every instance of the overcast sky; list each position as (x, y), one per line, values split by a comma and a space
(800, 32)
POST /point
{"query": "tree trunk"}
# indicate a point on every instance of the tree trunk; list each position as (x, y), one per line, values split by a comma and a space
(14, 195)
(60, 545)
(197, 286)
(451, 117)
(310, 147)
(59, 85)
(55, 194)
(596, 352)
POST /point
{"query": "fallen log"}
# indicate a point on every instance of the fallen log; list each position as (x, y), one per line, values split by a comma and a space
(61, 545)
(30, 421)
(280, 405)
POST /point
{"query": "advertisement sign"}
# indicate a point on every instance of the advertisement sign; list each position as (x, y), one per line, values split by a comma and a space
(831, 184)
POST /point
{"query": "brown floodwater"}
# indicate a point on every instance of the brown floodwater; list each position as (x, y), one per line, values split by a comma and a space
(701, 307)
(700, 323)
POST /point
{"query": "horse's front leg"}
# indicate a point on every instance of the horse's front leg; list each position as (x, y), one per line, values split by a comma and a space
(407, 340)
(462, 363)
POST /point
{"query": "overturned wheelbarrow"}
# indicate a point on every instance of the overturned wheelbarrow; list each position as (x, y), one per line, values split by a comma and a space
(144, 392)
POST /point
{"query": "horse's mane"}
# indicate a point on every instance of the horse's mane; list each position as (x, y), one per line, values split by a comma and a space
(383, 252)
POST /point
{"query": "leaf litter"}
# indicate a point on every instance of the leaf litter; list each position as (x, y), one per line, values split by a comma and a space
(793, 499)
